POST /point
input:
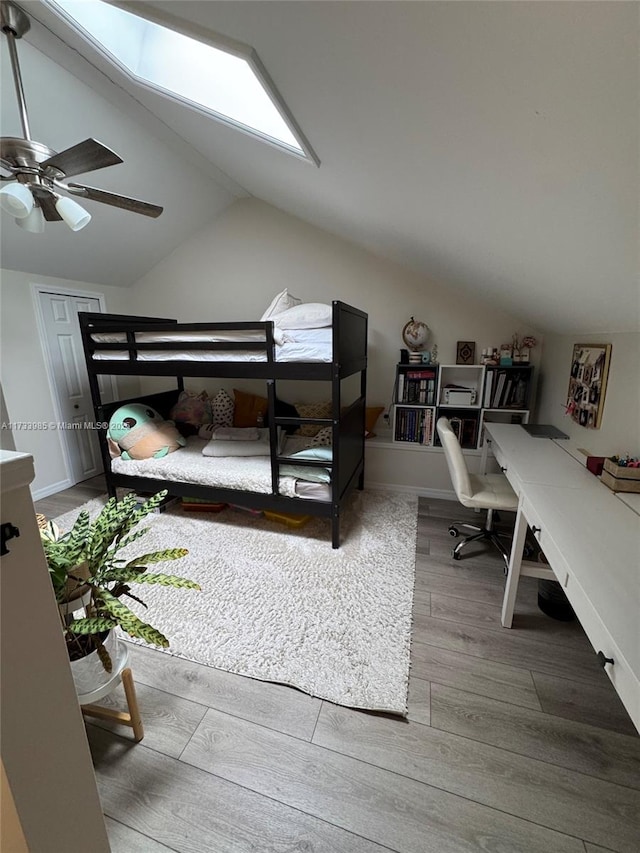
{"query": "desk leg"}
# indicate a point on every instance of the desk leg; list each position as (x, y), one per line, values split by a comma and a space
(486, 446)
(515, 564)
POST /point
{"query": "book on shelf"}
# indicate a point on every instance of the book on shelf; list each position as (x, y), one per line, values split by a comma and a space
(487, 390)
(417, 386)
(497, 394)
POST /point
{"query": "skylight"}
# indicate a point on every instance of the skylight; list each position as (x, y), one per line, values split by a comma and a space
(231, 87)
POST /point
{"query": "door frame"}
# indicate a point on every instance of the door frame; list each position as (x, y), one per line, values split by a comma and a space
(36, 290)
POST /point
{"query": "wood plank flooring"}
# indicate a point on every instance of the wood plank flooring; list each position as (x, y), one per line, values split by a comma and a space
(515, 740)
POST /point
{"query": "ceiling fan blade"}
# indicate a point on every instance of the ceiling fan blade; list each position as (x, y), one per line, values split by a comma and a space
(47, 202)
(135, 205)
(86, 156)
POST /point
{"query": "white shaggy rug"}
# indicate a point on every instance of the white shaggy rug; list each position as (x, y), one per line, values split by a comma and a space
(279, 604)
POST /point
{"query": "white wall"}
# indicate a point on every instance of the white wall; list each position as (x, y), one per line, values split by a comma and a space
(23, 373)
(620, 428)
(232, 269)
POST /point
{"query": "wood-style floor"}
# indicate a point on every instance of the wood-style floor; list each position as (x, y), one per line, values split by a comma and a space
(516, 741)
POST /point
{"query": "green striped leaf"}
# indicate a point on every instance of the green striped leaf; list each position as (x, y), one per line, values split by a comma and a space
(114, 606)
(91, 625)
(137, 628)
(123, 574)
(167, 580)
(159, 556)
(105, 657)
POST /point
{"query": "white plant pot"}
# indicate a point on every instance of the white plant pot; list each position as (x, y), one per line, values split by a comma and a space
(89, 674)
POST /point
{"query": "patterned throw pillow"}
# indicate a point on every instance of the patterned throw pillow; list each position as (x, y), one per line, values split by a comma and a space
(324, 438)
(191, 408)
(222, 409)
(312, 410)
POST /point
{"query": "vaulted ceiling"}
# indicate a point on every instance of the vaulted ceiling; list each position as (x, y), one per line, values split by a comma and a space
(490, 145)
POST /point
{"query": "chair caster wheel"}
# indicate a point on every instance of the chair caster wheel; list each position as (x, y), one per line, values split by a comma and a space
(453, 531)
(455, 554)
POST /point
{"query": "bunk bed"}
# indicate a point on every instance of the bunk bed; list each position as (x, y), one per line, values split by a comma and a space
(121, 345)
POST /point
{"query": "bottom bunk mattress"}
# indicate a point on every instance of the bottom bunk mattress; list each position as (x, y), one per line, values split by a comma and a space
(243, 473)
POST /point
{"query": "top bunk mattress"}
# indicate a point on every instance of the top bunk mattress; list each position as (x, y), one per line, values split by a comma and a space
(315, 345)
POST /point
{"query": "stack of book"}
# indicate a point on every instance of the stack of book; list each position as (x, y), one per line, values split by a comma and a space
(417, 386)
(506, 389)
(414, 425)
(201, 505)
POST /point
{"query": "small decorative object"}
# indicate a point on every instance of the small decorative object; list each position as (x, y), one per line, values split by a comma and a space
(415, 334)
(415, 358)
(588, 383)
(426, 357)
(521, 348)
(506, 355)
(466, 352)
(137, 431)
(434, 354)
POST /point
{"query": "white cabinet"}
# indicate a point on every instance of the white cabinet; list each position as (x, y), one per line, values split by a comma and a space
(44, 745)
(469, 395)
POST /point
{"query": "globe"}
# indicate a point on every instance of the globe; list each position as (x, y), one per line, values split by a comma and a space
(415, 334)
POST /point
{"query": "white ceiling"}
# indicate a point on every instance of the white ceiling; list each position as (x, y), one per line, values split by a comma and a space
(490, 145)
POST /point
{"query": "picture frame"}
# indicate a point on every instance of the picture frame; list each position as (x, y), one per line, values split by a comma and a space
(588, 383)
(466, 352)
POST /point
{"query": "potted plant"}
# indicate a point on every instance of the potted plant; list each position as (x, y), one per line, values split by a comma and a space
(89, 573)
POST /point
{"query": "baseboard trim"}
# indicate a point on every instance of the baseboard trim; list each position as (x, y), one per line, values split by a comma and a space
(440, 494)
(54, 488)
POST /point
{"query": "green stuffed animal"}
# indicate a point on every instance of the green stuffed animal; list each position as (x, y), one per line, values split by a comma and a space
(141, 433)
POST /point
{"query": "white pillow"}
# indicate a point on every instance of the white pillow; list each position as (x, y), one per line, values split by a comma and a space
(281, 302)
(323, 453)
(302, 472)
(261, 447)
(308, 315)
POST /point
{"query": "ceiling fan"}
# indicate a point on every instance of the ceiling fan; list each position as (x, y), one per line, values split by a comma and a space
(36, 172)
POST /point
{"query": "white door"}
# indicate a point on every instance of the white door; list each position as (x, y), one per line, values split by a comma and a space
(63, 343)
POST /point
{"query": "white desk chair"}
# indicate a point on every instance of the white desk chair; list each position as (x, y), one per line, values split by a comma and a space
(489, 491)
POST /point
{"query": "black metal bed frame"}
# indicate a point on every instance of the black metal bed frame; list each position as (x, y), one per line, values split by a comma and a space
(349, 327)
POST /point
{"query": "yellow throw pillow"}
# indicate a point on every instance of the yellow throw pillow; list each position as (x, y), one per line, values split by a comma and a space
(247, 408)
(313, 410)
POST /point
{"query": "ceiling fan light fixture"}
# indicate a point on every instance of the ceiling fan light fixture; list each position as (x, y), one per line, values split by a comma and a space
(72, 213)
(17, 200)
(33, 222)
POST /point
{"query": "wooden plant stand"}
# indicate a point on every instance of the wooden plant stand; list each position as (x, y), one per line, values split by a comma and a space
(132, 718)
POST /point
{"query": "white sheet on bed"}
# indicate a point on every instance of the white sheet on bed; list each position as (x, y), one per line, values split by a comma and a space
(251, 474)
(311, 336)
(318, 352)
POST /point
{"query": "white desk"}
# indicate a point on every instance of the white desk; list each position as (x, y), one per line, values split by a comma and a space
(591, 540)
